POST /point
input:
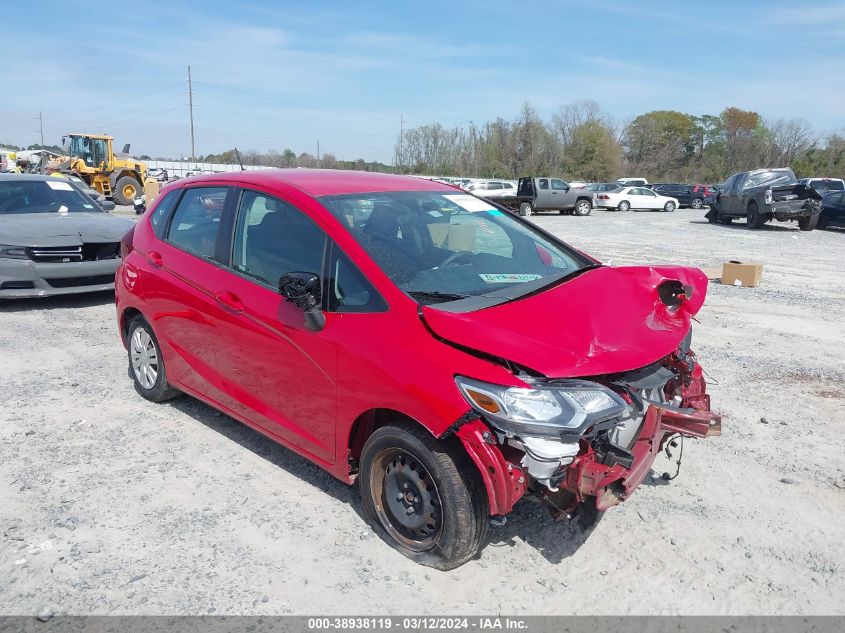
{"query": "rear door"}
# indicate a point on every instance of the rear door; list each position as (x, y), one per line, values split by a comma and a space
(181, 279)
(544, 195)
(276, 372)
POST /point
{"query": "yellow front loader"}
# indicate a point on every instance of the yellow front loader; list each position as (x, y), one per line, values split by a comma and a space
(93, 159)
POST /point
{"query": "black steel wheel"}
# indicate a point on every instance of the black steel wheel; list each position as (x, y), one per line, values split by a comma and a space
(424, 497)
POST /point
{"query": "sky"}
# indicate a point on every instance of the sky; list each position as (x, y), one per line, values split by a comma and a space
(278, 74)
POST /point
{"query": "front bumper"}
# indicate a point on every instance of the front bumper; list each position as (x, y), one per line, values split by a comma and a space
(591, 476)
(24, 278)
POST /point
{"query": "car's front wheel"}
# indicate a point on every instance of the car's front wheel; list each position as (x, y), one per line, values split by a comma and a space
(146, 366)
(424, 498)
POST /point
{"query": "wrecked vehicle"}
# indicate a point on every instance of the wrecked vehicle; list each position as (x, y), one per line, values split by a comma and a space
(386, 328)
(766, 194)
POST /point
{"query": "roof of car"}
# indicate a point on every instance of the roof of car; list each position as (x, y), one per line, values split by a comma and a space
(326, 182)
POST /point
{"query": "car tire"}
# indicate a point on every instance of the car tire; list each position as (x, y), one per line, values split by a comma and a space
(725, 220)
(669, 207)
(697, 203)
(822, 223)
(423, 497)
(146, 364)
(755, 218)
(624, 206)
(124, 188)
(583, 208)
(525, 209)
(809, 224)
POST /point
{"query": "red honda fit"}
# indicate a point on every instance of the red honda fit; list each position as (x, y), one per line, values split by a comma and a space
(449, 356)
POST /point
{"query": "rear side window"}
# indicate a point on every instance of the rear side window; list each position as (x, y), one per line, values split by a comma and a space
(196, 221)
(158, 218)
(272, 237)
(544, 183)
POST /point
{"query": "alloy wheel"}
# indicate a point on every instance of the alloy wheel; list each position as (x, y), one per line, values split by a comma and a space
(144, 356)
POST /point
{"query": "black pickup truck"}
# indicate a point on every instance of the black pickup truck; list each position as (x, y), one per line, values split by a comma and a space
(766, 194)
(547, 194)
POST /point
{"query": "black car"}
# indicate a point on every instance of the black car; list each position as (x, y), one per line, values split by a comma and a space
(833, 210)
(685, 194)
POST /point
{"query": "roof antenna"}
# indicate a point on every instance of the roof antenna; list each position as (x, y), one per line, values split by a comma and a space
(240, 162)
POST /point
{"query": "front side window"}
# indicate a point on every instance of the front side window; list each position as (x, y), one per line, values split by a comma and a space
(273, 237)
(52, 195)
(558, 185)
(196, 221)
(438, 246)
(348, 289)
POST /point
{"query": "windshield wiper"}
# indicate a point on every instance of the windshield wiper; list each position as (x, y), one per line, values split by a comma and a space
(434, 294)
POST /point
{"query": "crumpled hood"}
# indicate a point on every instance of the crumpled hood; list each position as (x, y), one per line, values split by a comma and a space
(57, 229)
(605, 321)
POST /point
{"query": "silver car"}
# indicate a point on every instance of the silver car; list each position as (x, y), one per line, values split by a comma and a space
(54, 239)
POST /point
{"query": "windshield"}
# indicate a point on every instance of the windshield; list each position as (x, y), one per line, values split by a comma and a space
(770, 177)
(43, 196)
(442, 247)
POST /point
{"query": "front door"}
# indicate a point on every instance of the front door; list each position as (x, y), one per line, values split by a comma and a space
(277, 373)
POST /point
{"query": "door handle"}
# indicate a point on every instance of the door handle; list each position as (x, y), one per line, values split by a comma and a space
(229, 300)
(154, 257)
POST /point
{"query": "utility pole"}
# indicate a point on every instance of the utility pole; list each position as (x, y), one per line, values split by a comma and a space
(41, 125)
(191, 112)
(401, 134)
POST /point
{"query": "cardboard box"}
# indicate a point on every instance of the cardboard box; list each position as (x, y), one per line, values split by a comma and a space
(455, 237)
(151, 189)
(738, 274)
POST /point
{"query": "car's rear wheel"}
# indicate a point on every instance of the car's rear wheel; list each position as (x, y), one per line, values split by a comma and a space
(583, 207)
(146, 365)
(423, 498)
(525, 209)
(755, 219)
(822, 223)
(808, 224)
(697, 203)
(624, 206)
(669, 207)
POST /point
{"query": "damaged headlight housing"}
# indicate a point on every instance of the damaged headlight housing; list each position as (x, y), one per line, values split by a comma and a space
(13, 252)
(563, 407)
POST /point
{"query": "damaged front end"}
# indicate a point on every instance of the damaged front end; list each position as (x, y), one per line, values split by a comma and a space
(583, 444)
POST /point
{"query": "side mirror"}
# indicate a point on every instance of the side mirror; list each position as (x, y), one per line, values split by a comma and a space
(303, 290)
(106, 205)
(139, 204)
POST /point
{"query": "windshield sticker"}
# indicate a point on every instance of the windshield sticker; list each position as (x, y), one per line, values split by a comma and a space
(63, 209)
(470, 203)
(494, 212)
(58, 185)
(88, 206)
(508, 278)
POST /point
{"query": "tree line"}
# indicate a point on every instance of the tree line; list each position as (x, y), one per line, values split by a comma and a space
(581, 142)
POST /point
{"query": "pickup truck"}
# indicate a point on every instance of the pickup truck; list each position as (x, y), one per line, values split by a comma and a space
(766, 194)
(548, 194)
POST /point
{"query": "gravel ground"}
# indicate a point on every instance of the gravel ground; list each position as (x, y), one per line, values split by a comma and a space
(114, 505)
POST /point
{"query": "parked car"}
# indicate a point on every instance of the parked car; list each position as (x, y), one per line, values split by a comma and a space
(159, 173)
(704, 190)
(766, 194)
(823, 185)
(54, 239)
(627, 198)
(578, 184)
(384, 327)
(632, 182)
(598, 187)
(492, 188)
(684, 194)
(833, 210)
(548, 194)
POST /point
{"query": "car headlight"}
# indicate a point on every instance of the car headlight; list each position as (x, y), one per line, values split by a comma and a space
(13, 252)
(563, 407)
